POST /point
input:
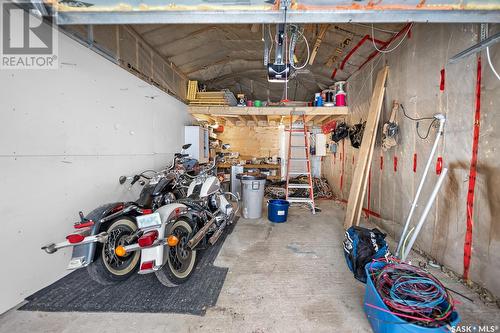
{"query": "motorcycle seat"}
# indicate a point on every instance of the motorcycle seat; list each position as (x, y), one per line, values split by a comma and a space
(194, 196)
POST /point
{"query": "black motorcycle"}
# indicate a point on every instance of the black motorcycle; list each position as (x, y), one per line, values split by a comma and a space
(98, 234)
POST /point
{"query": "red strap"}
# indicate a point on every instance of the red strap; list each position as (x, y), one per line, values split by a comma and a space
(334, 73)
(415, 162)
(369, 188)
(441, 85)
(395, 163)
(439, 165)
(381, 162)
(472, 175)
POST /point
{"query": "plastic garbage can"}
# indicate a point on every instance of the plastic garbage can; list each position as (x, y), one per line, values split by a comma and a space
(252, 193)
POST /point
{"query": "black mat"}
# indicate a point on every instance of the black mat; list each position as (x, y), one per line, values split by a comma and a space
(141, 293)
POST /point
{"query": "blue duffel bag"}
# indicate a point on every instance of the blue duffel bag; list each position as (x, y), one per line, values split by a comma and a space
(361, 246)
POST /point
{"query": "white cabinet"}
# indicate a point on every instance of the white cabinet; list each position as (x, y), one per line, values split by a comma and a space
(320, 144)
(198, 138)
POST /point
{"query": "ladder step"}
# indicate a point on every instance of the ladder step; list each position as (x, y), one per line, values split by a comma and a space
(297, 199)
(301, 133)
(299, 173)
(298, 185)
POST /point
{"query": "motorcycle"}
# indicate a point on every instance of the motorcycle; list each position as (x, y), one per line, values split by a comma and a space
(98, 234)
(169, 239)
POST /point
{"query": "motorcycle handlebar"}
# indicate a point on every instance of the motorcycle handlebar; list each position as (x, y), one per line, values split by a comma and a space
(214, 164)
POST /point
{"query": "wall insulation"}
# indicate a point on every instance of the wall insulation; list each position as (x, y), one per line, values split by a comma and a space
(414, 80)
(67, 135)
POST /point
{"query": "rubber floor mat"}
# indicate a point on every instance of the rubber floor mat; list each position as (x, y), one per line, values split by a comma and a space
(76, 292)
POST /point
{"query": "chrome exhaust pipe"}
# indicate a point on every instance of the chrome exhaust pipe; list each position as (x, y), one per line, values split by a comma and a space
(217, 234)
(200, 234)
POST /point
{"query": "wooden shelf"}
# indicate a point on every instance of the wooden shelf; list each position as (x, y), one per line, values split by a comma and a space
(268, 111)
(251, 166)
(277, 167)
(265, 116)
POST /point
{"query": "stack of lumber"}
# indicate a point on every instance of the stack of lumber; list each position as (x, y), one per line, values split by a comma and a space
(195, 97)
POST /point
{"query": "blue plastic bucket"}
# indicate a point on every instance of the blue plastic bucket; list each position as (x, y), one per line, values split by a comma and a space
(277, 210)
(385, 322)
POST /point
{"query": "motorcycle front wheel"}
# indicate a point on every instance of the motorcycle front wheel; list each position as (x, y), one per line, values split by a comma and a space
(181, 259)
(108, 268)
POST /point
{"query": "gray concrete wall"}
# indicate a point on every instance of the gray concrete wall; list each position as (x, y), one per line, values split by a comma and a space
(413, 80)
(66, 137)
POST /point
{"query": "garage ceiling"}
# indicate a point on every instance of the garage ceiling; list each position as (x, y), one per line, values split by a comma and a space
(231, 56)
(201, 37)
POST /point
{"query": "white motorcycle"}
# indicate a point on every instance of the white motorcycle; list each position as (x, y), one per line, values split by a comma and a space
(169, 238)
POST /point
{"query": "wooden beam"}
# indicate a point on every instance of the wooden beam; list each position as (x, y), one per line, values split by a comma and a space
(269, 111)
(322, 119)
(241, 118)
(310, 118)
(317, 44)
(362, 170)
(255, 119)
(204, 117)
(229, 120)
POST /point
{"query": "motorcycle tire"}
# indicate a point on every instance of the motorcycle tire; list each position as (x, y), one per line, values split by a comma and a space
(107, 268)
(181, 260)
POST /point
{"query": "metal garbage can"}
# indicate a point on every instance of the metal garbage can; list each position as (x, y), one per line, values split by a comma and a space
(252, 193)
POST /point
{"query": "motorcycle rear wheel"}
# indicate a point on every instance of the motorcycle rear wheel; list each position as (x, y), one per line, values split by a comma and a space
(181, 260)
(107, 268)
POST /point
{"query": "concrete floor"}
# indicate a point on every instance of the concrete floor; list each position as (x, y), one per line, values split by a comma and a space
(288, 277)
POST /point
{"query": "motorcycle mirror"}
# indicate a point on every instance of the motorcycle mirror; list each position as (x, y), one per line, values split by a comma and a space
(122, 179)
(186, 146)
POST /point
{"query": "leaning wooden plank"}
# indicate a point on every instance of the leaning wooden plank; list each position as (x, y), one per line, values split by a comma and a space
(365, 156)
(359, 207)
(360, 176)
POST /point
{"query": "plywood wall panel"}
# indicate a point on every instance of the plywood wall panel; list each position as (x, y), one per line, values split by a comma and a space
(252, 141)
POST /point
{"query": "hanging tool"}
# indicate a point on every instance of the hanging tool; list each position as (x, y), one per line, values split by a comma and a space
(300, 165)
(391, 129)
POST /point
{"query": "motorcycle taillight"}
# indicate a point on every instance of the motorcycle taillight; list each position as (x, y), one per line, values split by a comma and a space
(75, 238)
(148, 238)
(147, 265)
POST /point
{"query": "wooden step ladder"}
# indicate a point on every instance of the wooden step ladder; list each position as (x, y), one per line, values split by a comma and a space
(301, 165)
